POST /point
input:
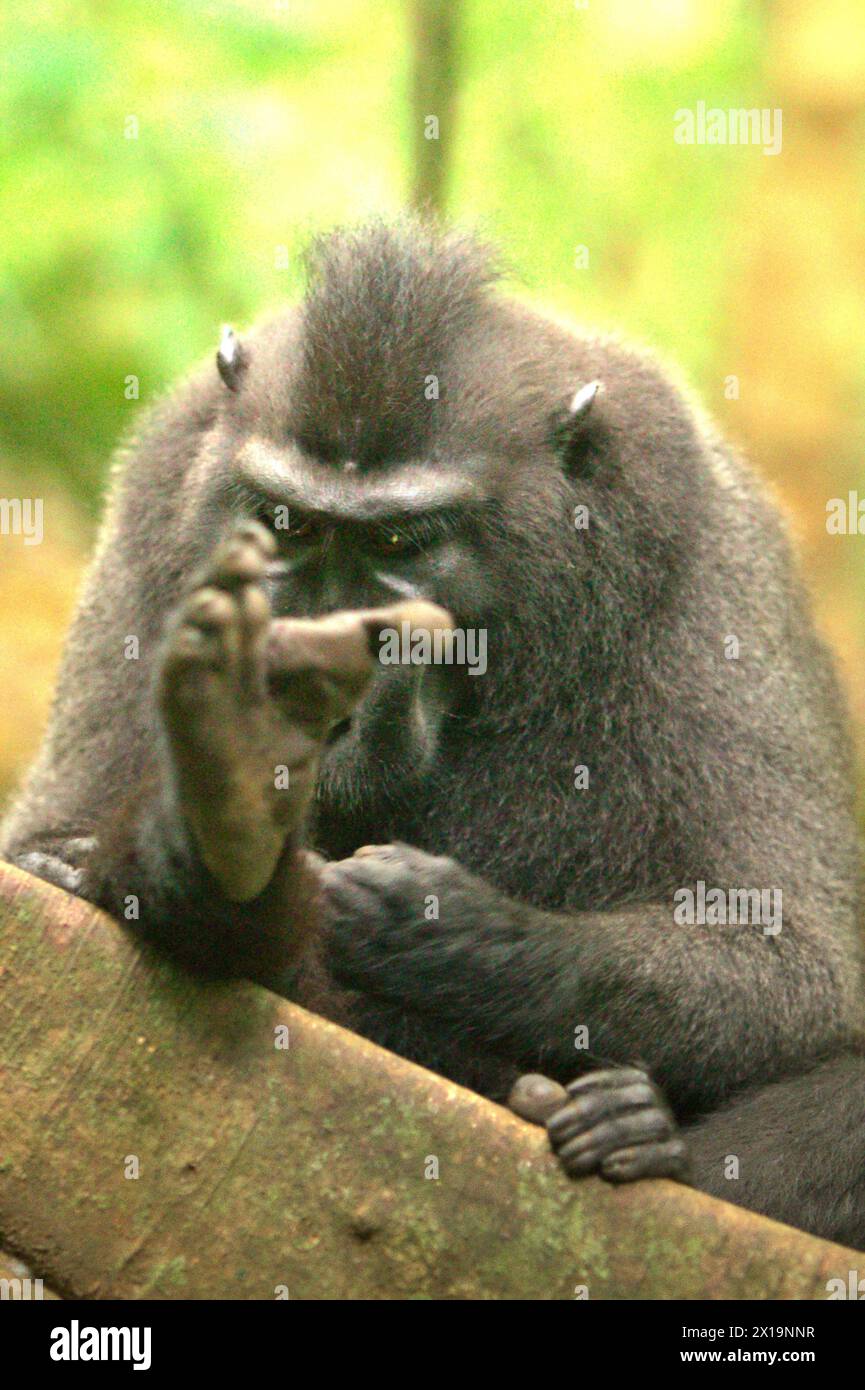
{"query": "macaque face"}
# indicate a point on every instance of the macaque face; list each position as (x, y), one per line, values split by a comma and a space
(351, 538)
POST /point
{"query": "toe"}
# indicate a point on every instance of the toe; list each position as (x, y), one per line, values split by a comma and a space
(536, 1098)
(664, 1159)
(238, 561)
(593, 1107)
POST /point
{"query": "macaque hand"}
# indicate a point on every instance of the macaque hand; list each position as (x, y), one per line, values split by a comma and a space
(247, 702)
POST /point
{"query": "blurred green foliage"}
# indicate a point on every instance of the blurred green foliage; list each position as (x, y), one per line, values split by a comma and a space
(162, 167)
(260, 122)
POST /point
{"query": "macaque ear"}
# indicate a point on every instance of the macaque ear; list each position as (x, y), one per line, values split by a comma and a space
(571, 428)
(232, 358)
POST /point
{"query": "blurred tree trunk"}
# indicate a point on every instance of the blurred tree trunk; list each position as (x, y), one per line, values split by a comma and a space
(798, 315)
(433, 99)
(162, 1137)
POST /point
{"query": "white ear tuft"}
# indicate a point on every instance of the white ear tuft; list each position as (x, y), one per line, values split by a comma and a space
(584, 399)
(231, 359)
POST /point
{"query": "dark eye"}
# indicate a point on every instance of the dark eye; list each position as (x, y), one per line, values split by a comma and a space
(389, 541)
(287, 523)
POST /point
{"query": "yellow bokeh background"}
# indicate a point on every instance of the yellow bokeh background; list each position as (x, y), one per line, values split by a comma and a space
(162, 166)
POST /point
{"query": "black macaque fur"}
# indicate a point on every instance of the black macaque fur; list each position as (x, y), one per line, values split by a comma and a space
(606, 648)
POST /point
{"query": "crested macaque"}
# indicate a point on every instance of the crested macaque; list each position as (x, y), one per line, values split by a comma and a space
(484, 871)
